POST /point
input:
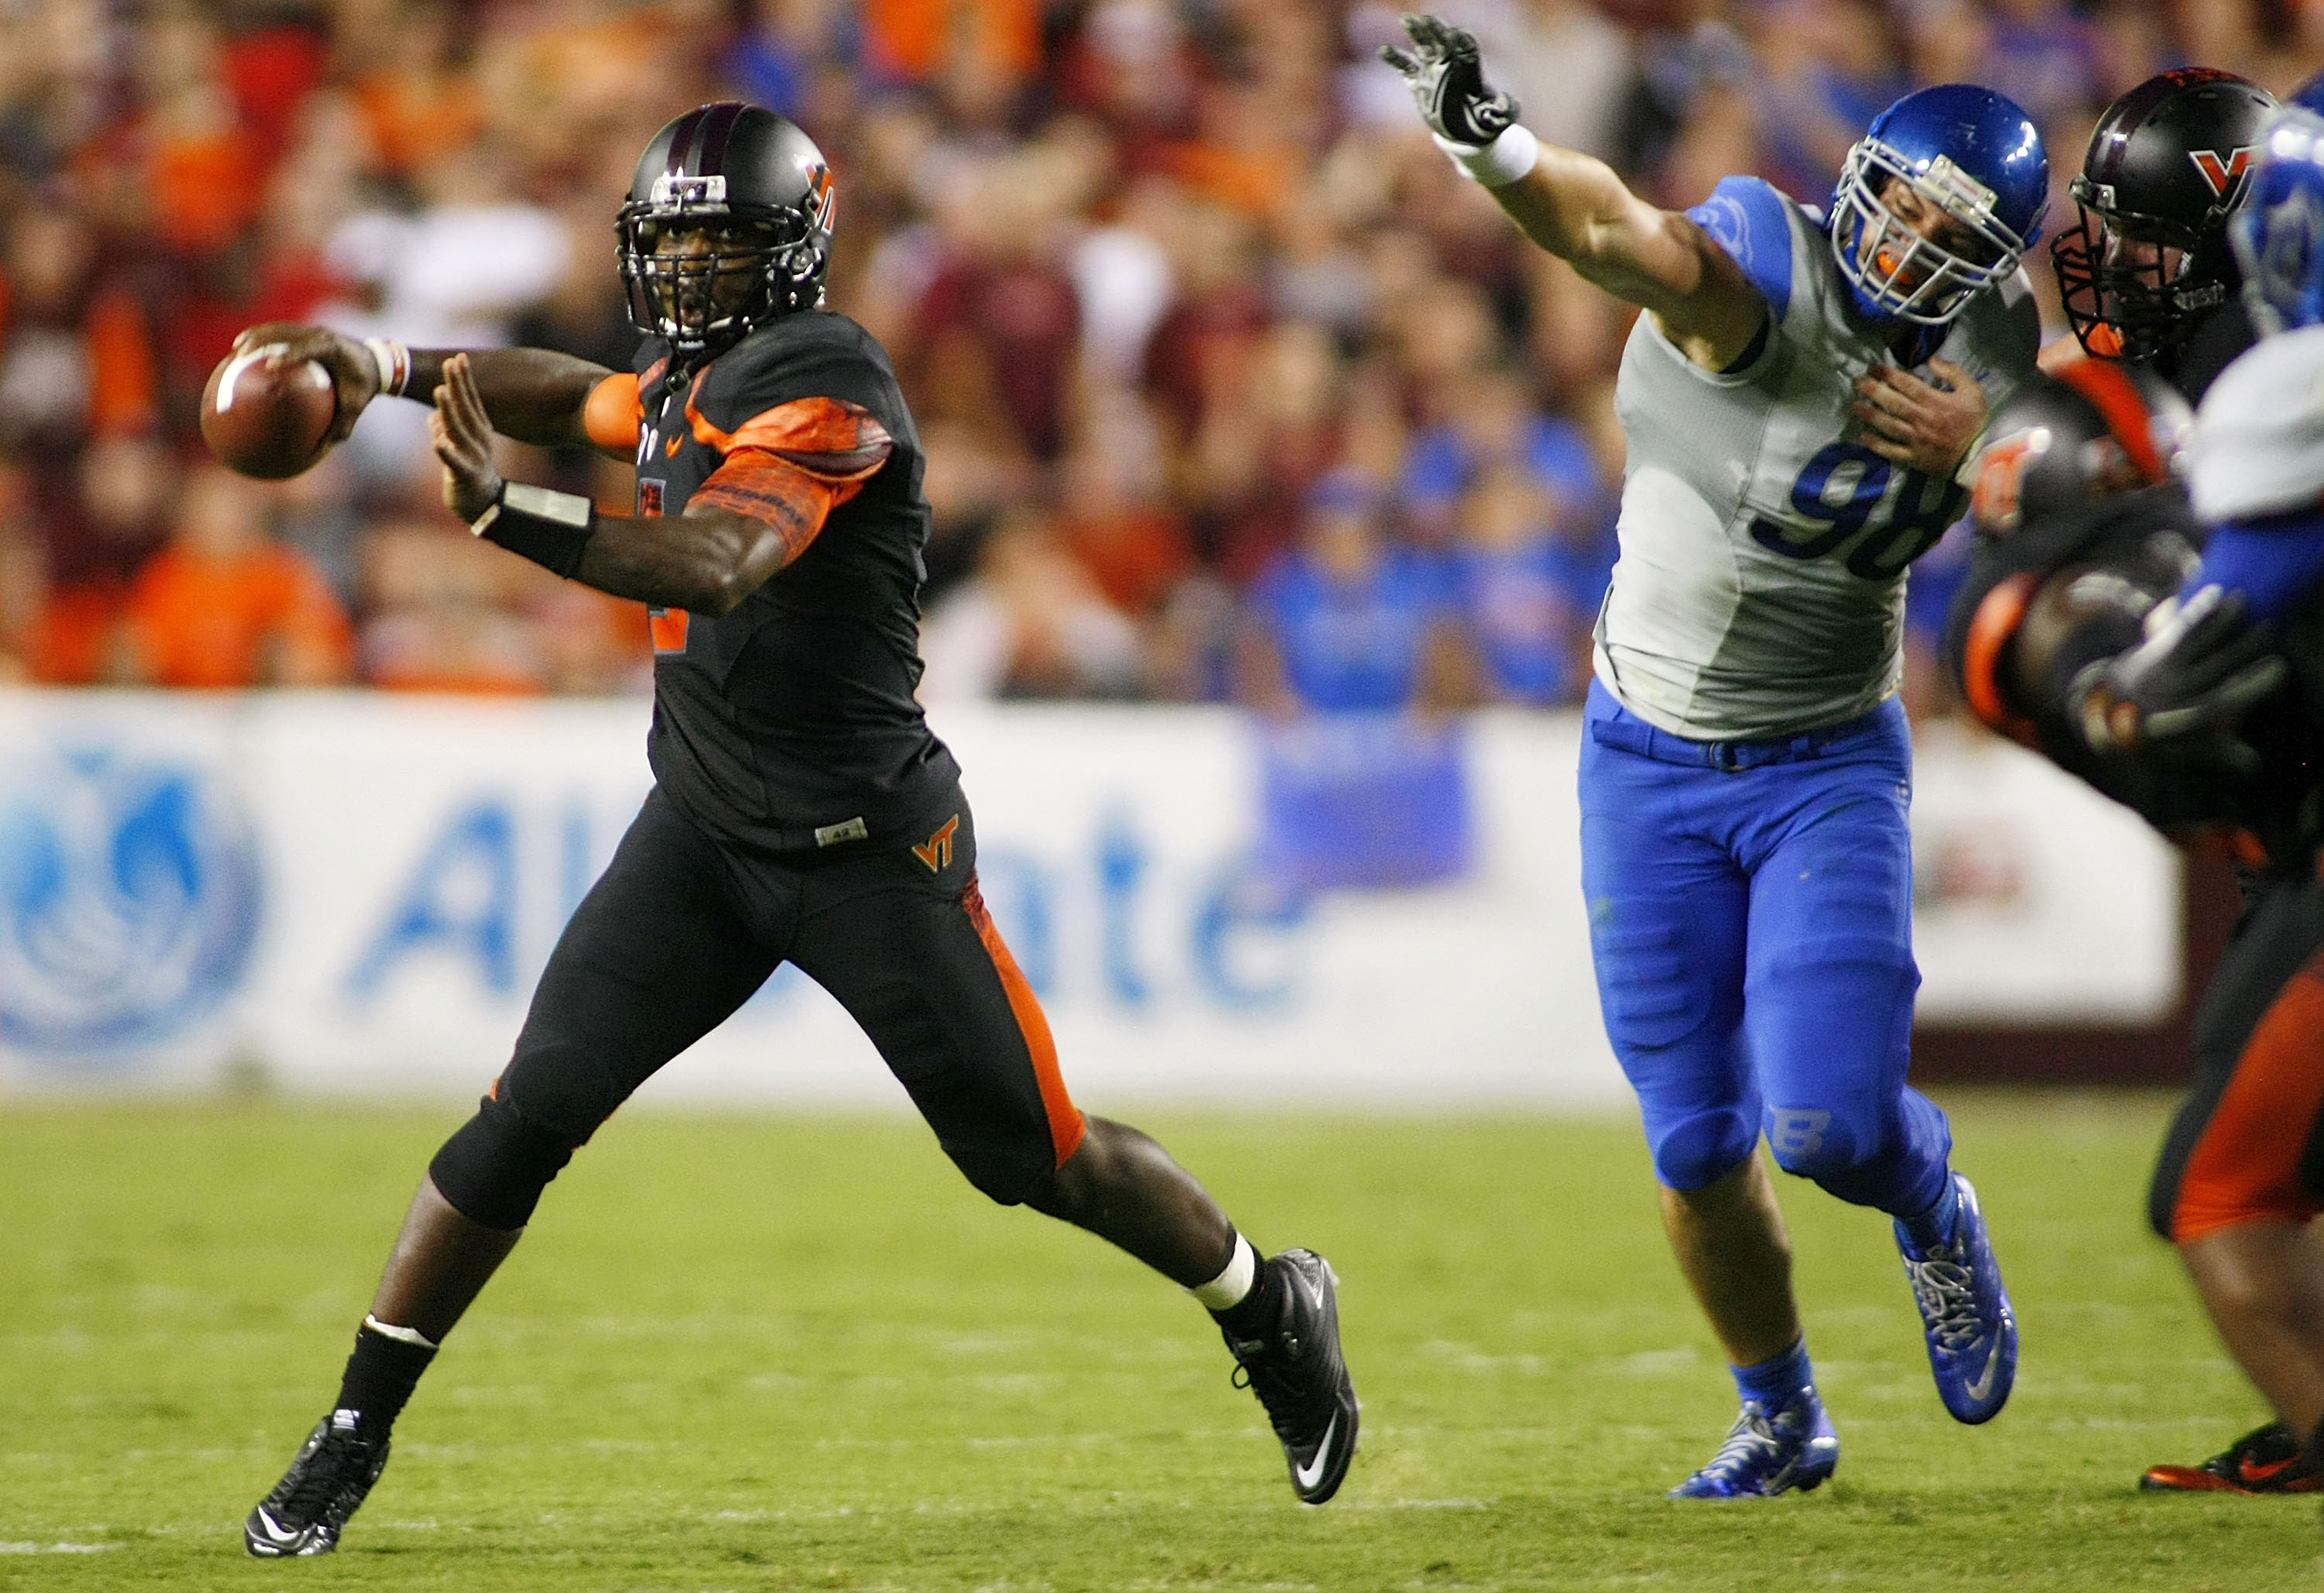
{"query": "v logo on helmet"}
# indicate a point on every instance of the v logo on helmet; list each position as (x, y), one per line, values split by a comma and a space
(2227, 177)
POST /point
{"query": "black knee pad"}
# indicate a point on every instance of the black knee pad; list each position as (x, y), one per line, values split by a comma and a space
(493, 1169)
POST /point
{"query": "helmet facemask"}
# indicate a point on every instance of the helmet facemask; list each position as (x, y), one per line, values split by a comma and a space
(763, 261)
(1895, 270)
(2134, 285)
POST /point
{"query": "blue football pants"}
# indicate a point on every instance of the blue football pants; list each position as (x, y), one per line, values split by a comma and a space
(1750, 917)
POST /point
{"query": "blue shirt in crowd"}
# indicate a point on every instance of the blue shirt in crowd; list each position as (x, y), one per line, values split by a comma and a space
(1356, 645)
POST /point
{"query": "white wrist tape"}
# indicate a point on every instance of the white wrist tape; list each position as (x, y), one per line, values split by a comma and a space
(404, 1335)
(1234, 1280)
(1501, 162)
(394, 362)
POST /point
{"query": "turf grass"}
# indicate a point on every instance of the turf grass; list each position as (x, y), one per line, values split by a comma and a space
(777, 1352)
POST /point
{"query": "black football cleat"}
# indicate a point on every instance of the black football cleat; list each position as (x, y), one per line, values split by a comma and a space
(2269, 1459)
(305, 1513)
(1297, 1371)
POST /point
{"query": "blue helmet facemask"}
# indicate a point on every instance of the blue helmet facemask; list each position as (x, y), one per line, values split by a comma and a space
(1972, 157)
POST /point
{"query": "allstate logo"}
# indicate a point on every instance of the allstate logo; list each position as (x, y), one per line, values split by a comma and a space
(129, 900)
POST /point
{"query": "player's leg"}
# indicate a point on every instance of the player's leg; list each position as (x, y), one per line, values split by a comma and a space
(2242, 1177)
(902, 940)
(1828, 1005)
(1667, 904)
(653, 958)
(2262, 1283)
(1737, 1258)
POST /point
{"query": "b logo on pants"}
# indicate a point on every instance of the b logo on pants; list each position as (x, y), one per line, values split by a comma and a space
(1794, 1132)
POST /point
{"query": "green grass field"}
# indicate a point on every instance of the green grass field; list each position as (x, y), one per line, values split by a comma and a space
(765, 1352)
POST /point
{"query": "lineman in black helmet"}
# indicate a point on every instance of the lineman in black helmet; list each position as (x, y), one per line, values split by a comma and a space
(2147, 274)
(2069, 636)
(802, 812)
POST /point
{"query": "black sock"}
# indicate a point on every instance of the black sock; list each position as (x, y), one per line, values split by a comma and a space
(381, 1374)
(1255, 1314)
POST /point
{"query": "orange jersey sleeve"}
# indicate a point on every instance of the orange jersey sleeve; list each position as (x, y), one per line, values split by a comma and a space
(792, 465)
(613, 414)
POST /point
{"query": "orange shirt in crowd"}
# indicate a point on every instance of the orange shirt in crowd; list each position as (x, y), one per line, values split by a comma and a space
(259, 618)
(913, 39)
(71, 638)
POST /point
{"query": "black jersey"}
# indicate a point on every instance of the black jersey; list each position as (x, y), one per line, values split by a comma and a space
(2219, 338)
(2128, 552)
(790, 723)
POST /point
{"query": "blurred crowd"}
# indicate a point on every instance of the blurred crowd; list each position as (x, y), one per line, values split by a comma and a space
(1231, 387)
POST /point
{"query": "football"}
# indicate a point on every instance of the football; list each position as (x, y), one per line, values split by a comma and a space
(266, 418)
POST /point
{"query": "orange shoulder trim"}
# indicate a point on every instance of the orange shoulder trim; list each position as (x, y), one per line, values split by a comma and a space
(612, 416)
(1995, 621)
(2117, 400)
(826, 437)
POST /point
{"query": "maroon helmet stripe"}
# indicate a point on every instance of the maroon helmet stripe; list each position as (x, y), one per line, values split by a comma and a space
(681, 139)
(717, 126)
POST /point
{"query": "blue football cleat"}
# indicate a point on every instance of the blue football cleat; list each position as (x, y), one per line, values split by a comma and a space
(1972, 1333)
(1794, 1449)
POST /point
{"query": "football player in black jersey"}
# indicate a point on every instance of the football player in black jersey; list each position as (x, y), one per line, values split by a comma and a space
(801, 810)
(2146, 273)
(2069, 636)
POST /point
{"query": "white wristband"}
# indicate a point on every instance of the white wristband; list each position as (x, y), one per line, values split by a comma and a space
(394, 362)
(1501, 162)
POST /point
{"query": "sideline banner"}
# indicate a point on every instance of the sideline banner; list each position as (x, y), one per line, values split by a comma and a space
(352, 894)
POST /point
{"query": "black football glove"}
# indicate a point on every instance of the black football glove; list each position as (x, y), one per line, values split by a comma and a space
(2181, 692)
(1448, 83)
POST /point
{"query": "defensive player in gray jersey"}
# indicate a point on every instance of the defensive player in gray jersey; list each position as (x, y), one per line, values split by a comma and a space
(1801, 398)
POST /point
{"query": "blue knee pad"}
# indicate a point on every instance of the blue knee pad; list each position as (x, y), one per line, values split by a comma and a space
(1696, 1151)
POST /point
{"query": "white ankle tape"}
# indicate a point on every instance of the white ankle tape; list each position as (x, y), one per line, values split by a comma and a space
(401, 1335)
(1234, 1280)
(1501, 162)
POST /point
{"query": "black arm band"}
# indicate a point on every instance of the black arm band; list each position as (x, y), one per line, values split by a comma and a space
(550, 528)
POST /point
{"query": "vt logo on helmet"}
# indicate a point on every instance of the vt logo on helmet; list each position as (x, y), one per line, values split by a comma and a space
(727, 227)
(1940, 199)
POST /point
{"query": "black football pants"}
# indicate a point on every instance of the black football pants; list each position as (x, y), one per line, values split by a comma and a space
(682, 930)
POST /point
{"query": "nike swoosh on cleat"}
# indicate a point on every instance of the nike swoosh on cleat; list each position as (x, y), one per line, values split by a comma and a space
(273, 1533)
(1309, 1475)
(1984, 1383)
(2259, 1472)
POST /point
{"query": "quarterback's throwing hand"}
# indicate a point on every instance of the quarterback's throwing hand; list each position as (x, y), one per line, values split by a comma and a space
(355, 374)
(463, 435)
(1448, 83)
(1926, 425)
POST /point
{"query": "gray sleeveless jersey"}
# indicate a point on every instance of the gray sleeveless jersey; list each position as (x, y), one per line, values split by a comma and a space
(1760, 588)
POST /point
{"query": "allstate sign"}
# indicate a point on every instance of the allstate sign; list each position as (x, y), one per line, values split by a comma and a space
(130, 894)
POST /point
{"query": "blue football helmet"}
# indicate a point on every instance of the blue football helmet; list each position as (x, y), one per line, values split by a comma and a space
(2309, 96)
(2278, 235)
(1971, 154)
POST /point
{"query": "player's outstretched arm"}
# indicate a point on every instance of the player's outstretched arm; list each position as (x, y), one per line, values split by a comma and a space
(534, 395)
(1574, 205)
(752, 517)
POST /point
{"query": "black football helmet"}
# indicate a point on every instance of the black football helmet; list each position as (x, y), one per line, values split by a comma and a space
(760, 190)
(2168, 162)
(2091, 429)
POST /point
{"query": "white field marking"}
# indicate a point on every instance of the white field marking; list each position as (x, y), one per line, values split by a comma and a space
(1656, 1363)
(58, 1548)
